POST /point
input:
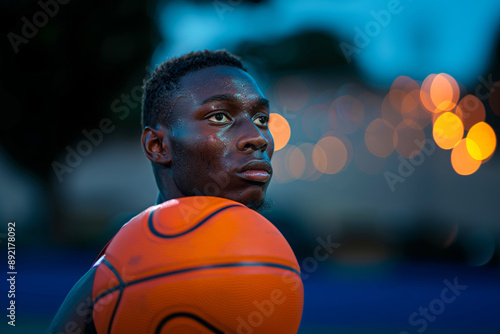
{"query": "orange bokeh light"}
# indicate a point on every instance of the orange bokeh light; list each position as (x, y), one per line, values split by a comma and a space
(435, 116)
(310, 172)
(425, 94)
(471, 111)
(448, 130)
(347, 144)
(412, 109)
(380, 137)
(295, 162)
(482, 141)
(404, 83)
(329, 155)
(444, 92)
(280, 130)
(461, 160)
(410, 102)
(396, 98)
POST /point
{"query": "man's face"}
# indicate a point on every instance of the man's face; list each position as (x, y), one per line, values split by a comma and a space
(221, 144)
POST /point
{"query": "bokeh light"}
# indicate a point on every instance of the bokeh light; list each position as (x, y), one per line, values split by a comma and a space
(436, 115)
(404, 96)
(280, 130)
(291, 92)
(404, 83)
(295, 162)
(461, 160)
(487, 159)
(471, 111)
(444, 92)
(412, 109)
(399, 105)
(405, 105)
(310, 172)
(391, 109)
(347, 144)
(482, 141)
(329, 155)
(380, 137)
(448, 130)
(396, 97)
(425, 94)
(410, 139)
(410, 102)
(346, 114)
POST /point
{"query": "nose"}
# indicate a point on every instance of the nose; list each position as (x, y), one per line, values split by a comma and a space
(251, 138)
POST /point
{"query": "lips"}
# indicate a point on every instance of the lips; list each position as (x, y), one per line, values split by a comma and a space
(256, 170)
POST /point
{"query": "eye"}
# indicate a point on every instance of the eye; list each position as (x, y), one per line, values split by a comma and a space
(261, 120)
(219, 118)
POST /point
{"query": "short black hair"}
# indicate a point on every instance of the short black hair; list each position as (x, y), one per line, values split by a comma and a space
(160, 88)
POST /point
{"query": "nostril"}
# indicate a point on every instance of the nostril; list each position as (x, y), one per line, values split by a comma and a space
(261, 147)
(255, 146)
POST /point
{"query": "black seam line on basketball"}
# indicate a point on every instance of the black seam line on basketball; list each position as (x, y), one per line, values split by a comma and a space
(107, 292)
(188, 315)
(114, 311)
(180, 271)
(110, 266)
(158, 234)
(120, 286)
(223, 265)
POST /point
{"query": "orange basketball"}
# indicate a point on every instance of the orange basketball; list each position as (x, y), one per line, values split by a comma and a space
(198, 265)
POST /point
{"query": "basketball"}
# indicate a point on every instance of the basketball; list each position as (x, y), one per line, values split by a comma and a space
(198, 265)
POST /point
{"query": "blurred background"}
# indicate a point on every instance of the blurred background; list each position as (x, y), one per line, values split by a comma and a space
(385, 114)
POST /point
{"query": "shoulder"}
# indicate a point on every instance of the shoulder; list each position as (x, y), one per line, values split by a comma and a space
(75, 313)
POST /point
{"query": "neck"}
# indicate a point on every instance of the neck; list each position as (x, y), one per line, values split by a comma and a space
(166, 185)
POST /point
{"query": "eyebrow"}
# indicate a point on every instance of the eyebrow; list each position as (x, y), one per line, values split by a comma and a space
(233, 99)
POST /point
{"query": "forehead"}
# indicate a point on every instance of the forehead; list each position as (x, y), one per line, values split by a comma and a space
(216, 80)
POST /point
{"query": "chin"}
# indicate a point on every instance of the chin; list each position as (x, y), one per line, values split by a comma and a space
(255, 200)
(260, 207)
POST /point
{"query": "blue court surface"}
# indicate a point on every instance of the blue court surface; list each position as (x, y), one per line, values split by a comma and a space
(438, 297)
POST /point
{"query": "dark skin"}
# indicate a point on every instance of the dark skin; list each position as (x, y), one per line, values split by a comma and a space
(217, 143)
(218, 124)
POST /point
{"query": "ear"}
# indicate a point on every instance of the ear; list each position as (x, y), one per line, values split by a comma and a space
(155, 144)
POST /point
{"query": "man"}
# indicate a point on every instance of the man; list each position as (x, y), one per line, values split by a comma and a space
(205, 132)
